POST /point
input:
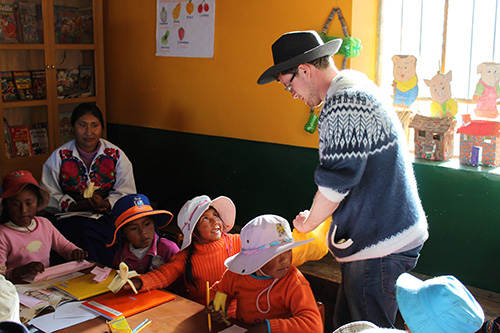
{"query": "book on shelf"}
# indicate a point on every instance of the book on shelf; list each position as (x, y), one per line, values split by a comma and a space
(9, 28)
(86, 27)
(23, 84)
(65, 23)
(9, 91)
(84, 287)
(65, 129)
(127, 303)
(39, 84)
(67, 82)
(34, 300)
(21, 141)
(39, 141)
(7, 140)
(86, 80)
(30, 22)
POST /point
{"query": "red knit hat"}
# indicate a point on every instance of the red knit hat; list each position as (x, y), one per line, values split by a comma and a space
(15, 182)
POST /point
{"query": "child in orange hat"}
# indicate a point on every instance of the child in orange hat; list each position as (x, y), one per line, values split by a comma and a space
(143, 250)
(205, 224)
(26, 239)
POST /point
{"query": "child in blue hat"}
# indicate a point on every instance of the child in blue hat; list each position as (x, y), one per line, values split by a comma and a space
(136, 220)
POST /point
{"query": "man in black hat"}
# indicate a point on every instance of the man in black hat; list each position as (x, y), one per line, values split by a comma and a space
(365, 181)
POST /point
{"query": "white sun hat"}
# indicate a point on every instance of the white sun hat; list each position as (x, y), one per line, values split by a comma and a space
(192, 210)
(262, 239)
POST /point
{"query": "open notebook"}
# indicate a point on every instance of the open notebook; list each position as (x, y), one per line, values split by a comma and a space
(127, 303)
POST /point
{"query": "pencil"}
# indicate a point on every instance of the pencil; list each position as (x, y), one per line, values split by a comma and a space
(139, 327)
(143, 326)
(208, 303)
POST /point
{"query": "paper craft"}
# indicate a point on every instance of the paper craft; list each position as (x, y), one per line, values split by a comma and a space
(91, 215)
(51, 323)
(63, 269)
(101, 274)
(29, 301)
(121, 278)
(220, 303)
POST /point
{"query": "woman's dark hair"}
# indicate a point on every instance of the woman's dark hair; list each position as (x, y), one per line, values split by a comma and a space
(84, 108)
(5, 217)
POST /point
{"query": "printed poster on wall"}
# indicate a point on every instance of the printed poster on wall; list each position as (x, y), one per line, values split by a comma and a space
(185, 28)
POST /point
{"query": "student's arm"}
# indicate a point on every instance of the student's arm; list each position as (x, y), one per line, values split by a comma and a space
(305, 314)
(166, 274)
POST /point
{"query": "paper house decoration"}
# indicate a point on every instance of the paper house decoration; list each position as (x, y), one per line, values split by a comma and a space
(433, 137)
(480, 143)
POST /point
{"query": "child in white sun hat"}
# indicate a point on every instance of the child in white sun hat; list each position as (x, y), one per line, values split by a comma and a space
(269, 291)
(205, 224)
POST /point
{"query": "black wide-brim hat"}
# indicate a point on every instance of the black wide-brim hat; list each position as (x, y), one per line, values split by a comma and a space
(295, 48)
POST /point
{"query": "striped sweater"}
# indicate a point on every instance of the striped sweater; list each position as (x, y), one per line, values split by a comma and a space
(208, 265)
(364, 165)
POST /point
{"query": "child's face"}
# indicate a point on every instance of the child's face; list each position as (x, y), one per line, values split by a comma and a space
(278, 266)
(209, 226)
(140, 232)
(22, 207)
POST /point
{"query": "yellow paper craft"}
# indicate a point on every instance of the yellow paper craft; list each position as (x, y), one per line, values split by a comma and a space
(220, 303)
(89, 191)
(121, 278)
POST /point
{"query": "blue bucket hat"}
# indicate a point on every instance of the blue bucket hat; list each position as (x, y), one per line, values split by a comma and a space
(134, 206)
(440, 304)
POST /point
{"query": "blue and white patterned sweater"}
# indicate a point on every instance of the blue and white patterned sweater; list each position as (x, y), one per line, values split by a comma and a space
(364, 165)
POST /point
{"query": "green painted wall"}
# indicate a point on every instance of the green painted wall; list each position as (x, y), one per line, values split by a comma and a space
(462, 204)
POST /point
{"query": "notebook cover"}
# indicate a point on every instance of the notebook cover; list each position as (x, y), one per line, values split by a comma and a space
(127, 303)
(83, 287)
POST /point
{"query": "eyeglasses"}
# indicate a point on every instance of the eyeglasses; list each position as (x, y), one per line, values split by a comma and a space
(289, 85)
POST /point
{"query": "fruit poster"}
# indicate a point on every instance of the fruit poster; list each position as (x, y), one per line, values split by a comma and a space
(185, 28)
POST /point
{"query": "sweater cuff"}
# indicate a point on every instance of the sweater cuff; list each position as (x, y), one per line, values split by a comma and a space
(268, 325)
(332, 195)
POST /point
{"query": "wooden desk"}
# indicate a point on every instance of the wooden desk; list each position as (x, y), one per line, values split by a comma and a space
(179, 316)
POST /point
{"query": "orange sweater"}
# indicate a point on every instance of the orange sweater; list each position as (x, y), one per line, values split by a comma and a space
(293, 307)
(208, 265)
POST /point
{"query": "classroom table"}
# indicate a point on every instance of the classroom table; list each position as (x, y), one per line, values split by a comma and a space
(180, 315)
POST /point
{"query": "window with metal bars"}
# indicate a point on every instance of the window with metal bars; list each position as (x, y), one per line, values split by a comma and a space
(444, 35)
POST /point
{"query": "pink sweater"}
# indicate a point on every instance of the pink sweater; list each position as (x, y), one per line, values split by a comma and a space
(19, 248)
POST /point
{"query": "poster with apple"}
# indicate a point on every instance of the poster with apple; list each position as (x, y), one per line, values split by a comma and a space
(185, 28)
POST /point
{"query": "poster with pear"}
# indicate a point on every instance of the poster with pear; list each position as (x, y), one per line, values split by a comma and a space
(185, 28)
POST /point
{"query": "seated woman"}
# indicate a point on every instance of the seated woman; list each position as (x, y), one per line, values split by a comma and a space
(87, 174)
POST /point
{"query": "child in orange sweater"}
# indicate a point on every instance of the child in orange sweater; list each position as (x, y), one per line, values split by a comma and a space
(271, 294)
(206, 244)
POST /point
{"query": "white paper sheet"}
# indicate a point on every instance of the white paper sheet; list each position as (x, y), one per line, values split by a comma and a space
(58, 320)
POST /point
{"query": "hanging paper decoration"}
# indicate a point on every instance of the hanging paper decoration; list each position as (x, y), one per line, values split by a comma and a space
(351, 46)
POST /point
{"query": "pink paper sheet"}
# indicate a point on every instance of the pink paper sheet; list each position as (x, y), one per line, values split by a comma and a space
(63, 269)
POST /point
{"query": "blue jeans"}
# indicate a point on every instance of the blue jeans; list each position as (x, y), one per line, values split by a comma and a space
(368, 289)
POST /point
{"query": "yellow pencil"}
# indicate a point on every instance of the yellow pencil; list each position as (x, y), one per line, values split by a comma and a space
(142, 327)
(208, 303)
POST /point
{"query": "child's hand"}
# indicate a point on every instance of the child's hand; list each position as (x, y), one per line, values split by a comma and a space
(3, 269)
(137, 284)
(217, 316)
(79, 255)
(30, 269)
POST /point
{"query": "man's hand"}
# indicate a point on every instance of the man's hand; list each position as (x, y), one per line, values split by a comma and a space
(299, 220)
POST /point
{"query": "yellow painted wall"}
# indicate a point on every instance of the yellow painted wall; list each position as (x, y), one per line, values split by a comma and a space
(220, 96)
